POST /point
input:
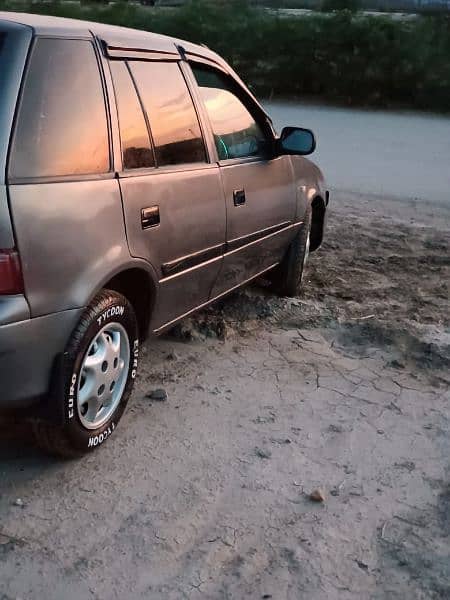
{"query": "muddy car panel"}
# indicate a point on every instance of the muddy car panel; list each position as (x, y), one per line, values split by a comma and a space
(180, 234)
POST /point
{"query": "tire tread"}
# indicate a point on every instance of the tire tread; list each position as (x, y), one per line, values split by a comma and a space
(51, 438)
(287, 275)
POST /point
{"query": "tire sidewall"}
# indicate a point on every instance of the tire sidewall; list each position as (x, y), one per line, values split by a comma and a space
(116, 310)
(291, 272)
(302, 249)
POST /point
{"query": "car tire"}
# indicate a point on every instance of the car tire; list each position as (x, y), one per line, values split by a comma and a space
(100, 367)
(287, 278)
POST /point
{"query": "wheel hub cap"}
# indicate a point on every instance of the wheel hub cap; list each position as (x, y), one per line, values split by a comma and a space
(103, 375)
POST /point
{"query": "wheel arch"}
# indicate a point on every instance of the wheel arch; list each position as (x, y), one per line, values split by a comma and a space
(137, 285)
(318, 210)
(136, 280)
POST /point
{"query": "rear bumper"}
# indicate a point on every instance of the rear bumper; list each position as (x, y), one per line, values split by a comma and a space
(28, 349)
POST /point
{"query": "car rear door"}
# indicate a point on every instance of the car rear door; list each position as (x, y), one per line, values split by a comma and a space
(259, 188)
(172, 194)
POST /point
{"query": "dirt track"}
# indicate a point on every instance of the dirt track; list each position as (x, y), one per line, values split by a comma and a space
(206, 495)
(403, 154)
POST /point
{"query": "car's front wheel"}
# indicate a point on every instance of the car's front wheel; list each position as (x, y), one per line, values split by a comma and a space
(288, 276)
(101, 365)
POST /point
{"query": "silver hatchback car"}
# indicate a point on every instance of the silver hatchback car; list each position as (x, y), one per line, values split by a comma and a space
(140, 180)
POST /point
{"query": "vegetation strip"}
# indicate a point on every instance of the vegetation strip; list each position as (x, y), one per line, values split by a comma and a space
(344, 57)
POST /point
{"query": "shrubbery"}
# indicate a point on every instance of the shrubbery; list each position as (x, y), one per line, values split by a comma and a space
(336, 5)
(341, 57)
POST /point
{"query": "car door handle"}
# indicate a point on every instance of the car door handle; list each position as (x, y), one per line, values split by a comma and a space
(239, 197)
(150, 217)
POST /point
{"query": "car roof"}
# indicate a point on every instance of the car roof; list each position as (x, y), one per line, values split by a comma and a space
(113, 35)
(119, 37)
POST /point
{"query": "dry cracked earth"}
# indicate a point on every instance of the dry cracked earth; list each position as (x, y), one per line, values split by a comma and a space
(207, 494)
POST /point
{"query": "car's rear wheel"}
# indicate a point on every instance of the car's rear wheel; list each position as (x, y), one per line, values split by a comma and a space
(288, 276)
(99, 375)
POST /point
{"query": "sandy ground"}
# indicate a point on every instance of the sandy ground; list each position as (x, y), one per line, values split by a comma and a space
(206, 495)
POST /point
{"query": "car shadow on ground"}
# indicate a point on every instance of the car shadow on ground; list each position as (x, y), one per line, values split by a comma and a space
(17, 443)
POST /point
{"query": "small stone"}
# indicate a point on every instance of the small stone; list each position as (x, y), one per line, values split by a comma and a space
(261, 420)
(172, 355)
(362, 565)
(317, 495)
(409, 465)
(395, 364)
(19, 502)
(380, 431)
(281, 441)
(159, 395)
(262, 453)
(333, 428)
(356, 490)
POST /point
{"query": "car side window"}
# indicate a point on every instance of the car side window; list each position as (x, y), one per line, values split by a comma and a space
(173, 120)
(236, 133)
(62, 125)
(136, 148)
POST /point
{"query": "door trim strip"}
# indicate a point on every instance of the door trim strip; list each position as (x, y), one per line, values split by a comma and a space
(190, 261)
(211, 300)
(256, 235)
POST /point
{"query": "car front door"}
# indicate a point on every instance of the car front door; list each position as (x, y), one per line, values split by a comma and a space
(172, 194)
(259, 188)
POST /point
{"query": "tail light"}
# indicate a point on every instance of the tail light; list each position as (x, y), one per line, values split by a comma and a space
(11, 281)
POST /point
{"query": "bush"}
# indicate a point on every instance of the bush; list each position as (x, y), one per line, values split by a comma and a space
(341, 57)
(337, 5)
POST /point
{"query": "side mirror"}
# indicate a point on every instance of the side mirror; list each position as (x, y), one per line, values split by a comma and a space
(296, 140)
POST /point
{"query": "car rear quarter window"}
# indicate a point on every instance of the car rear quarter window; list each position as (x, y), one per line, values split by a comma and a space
(173, 121)
(61, 126)
(136, 148)
(3, 37)
(236, 132)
